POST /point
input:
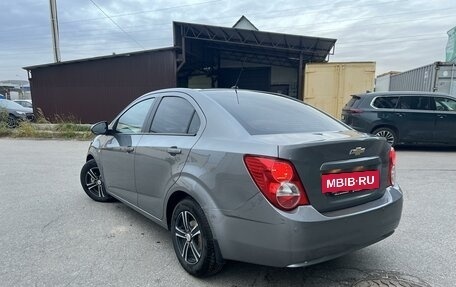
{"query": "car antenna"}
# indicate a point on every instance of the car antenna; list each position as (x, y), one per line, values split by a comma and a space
(235, 87)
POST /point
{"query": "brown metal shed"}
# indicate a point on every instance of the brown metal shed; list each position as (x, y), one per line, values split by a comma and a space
(96, 89)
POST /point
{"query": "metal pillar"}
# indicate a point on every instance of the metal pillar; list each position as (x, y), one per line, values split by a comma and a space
(300, 91)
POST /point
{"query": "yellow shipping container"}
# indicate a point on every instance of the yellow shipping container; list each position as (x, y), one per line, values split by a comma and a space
(328, 86)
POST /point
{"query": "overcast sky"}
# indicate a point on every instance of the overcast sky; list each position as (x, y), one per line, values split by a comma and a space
(397, 34)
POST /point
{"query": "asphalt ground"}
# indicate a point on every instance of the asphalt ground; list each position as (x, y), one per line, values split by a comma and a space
(52, 234)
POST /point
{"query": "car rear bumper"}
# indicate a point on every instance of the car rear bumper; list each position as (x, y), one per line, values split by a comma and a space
(305, 236)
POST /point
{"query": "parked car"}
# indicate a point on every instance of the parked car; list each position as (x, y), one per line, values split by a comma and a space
(404, 117)
(247, 176)
(25, 103)
(15, 112)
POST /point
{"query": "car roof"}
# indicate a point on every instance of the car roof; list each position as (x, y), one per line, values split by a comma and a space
(401, 93)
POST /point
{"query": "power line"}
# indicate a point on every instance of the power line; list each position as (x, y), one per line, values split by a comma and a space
(118, 26)
(367, 4)
(146, 11)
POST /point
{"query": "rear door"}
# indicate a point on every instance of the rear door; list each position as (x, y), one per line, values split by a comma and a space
(415, 118)
(163, 151)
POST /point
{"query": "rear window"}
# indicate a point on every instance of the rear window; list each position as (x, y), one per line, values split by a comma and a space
(261, 113)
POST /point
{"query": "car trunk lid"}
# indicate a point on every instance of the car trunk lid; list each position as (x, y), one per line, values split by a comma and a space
(337, 160)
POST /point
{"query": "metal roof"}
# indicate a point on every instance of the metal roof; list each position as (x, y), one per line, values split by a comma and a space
(241, 41)
(98, 58)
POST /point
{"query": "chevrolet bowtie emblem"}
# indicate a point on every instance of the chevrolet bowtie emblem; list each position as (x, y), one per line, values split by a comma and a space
(357, 151)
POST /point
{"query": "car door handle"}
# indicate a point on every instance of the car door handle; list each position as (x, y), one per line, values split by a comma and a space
(128, 149)
(441, 116)
(399, 114)
(174, 150)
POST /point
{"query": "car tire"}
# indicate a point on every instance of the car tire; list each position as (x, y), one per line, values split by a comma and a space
(193, 241)
(11, 121)
(388, 134)
(92, 183)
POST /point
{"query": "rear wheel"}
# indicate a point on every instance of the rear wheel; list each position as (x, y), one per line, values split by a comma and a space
(192, 240)
(92, 183)
(388, 134)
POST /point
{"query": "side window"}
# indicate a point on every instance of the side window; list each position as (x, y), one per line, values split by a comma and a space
(415, 103)
(385, 102)
(175, 116)
(445, 104)
(133, 119)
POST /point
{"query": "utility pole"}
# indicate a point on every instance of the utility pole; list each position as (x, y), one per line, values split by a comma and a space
(55, 30)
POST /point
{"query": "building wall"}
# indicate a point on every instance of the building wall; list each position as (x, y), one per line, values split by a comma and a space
(98, 89)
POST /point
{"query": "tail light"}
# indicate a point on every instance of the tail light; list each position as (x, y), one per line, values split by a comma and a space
(356, 111)
(278, 180)
(392, 167)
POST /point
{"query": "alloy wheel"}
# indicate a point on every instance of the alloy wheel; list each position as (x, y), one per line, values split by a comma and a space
(188, 237)
(93, 182)
(386, 134)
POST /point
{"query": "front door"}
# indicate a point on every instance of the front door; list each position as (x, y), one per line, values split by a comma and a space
(117, 154)
(445, 121)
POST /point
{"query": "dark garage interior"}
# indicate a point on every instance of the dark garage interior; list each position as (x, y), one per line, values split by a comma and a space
(203, 56)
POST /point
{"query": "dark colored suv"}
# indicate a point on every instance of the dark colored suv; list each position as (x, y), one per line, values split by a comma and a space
(404, 117)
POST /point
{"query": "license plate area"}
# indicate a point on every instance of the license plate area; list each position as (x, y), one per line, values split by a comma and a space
(335, 183)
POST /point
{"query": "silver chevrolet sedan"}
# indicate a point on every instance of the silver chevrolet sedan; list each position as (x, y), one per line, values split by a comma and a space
(247, 176)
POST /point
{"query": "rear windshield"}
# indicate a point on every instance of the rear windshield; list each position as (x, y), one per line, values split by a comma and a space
(354, 102)
(261, 113)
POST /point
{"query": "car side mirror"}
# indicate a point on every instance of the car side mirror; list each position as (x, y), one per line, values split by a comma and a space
(100, 128)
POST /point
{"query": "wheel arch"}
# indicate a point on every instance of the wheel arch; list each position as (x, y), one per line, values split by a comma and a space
(188, 187)
(389, 126)
(89, 157)
(173, 200)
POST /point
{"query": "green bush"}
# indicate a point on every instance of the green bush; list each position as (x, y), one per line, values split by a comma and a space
(25, 129)
(3, 115)
(67, 128)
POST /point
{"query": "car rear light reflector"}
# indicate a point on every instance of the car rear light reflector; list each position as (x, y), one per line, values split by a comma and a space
(392, 167)
(278, 180)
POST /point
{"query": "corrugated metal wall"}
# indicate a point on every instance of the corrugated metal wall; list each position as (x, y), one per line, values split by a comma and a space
(98, 89)
(437, 77)
(419, 79)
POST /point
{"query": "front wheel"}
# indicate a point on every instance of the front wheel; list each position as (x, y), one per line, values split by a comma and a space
(12, 121)
(92, 183)
(192, 240)
(388, 134)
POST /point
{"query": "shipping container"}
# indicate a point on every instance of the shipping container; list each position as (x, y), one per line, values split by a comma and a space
(437, 77)
(382, 82)
(328, 86)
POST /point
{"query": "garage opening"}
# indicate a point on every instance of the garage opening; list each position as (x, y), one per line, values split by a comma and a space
(221, 57)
